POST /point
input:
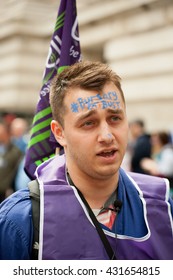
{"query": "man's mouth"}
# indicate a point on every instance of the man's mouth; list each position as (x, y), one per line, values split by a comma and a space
(107, 153)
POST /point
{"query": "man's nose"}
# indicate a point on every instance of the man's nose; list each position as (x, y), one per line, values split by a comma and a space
(105, 134)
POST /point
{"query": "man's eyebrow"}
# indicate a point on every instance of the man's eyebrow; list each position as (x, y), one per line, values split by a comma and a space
(115, 111)
(86, 115)
(94, 112)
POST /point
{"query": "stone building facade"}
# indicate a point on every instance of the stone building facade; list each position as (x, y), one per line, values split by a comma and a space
(134, 36)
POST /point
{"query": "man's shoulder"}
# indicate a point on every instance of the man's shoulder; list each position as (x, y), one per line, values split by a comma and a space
(147, 177)
(16, 206)
(149, 181)
(153, 186)
(16, 226)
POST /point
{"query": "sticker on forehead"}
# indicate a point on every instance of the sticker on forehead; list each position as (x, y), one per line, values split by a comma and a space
(107, 100)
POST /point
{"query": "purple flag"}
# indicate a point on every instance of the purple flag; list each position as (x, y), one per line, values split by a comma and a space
(64, 50)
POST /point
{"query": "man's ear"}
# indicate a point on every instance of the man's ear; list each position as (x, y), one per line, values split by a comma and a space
(58, 132)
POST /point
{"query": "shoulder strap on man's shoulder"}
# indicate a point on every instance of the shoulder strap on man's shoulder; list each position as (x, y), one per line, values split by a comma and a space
(35, 199)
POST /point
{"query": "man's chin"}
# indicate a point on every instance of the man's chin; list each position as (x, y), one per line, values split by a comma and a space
(107, 172)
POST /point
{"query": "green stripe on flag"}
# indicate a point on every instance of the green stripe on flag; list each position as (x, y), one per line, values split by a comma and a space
(42, 114)
(39, 138)
(59, 26)
(60, 18)
(60, 21)
(48, 76)
(61, 68)
(38, 162)
(41, 125)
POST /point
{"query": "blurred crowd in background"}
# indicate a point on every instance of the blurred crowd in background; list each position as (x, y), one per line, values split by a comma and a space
(146, 153)
(14, 136)
(149, 153)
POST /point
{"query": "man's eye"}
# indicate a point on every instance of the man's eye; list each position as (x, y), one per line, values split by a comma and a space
(88, 123)
(115, 118)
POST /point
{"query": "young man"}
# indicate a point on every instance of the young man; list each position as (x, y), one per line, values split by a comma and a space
(134, 210)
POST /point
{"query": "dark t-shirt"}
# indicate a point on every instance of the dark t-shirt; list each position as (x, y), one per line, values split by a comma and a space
(142, 149)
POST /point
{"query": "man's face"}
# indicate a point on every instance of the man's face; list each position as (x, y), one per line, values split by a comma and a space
(95, 131)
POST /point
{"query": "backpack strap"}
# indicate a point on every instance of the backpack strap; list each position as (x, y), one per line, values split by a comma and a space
(34, 193)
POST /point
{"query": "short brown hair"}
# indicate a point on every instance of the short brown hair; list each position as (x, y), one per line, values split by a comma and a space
(85, 75)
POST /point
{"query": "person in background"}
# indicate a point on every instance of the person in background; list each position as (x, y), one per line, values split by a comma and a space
(10, 157)
(19, 136)
(19, 133)
(161, 163)
(91, 209)
(140, 145)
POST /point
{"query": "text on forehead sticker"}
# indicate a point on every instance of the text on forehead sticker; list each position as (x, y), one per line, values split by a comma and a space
(109, 99)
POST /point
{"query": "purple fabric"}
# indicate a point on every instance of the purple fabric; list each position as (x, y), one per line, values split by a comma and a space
(62, 211)
(64, 50)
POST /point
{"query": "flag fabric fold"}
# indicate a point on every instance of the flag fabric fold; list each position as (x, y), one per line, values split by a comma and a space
(64, 50)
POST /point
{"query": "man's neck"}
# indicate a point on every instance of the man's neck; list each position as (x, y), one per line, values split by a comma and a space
(95, 191)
